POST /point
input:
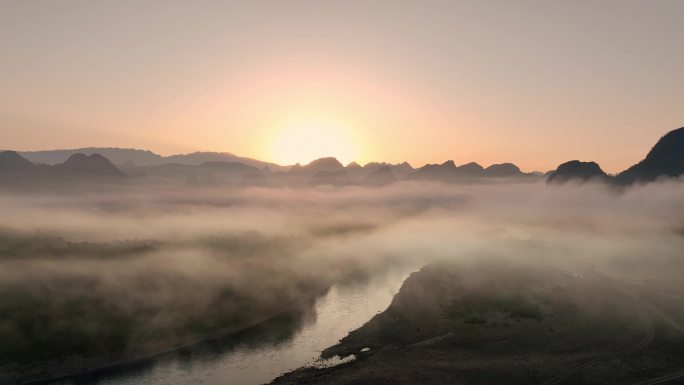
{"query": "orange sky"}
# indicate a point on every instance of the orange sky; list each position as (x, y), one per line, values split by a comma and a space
(532, 82)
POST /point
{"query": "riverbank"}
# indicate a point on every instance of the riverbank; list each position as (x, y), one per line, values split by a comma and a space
(260, 353)
(493, 323)
(54, 371)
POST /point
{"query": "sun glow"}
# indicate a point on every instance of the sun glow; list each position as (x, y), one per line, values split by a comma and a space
(304, 141)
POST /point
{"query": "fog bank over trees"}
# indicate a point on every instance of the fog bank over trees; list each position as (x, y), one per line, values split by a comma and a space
(117, 275)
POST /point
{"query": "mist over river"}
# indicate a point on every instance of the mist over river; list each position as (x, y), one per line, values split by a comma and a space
(90, 281)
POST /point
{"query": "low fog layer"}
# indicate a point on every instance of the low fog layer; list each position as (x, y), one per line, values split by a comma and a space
(145, 270)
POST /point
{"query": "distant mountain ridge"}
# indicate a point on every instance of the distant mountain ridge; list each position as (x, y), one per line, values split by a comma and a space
(120, 156)
(329, 165)
(577, 170)
(325, 171)
(94, 164)
(360, 173)
(14, 167)
(503, 170)
(665, 159)
(214, 168)
(449, 171)
(115, 155)
(130, 158)
(380, 177)
(12, 163)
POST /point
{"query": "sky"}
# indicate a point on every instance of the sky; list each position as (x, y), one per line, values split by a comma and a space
(536, 83)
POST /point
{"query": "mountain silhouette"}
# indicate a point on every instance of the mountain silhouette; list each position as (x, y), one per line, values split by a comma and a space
(120, 156)
(197, 158)
(115, 155)
(666, 158)
(448, 171)
(444, 171)
(380, 177)
(358, 173)
(402, 170)
(13, 163)
(229, 166)
(577, 170)
(87, 165)
(19, 172)
(471, 170)
(317, 166)
(186, 168)
(503, 170)
(143, 162)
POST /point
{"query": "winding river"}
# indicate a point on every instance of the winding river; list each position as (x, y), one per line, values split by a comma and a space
(263, 353)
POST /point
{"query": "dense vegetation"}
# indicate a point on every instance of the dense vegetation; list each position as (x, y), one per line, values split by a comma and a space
(62, 299)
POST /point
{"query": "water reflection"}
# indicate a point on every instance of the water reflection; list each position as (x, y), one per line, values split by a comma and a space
(261, 353)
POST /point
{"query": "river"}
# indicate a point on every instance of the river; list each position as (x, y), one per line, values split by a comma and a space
(262, 353)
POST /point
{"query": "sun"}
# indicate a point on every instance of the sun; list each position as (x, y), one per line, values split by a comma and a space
(304, 141)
